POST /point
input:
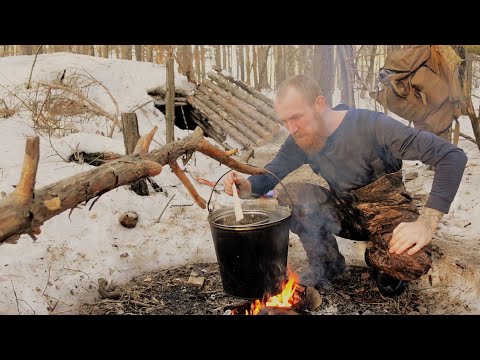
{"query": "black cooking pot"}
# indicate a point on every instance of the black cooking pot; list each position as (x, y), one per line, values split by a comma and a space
(252, 253)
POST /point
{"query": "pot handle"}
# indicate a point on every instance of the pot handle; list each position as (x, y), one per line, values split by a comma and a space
(213, 189)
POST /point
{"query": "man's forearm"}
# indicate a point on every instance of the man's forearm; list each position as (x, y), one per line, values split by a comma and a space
(430, 217)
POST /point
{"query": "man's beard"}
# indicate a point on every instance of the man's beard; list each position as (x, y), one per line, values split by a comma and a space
(310, 143)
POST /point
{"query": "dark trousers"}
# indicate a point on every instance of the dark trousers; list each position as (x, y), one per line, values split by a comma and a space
(370, 213)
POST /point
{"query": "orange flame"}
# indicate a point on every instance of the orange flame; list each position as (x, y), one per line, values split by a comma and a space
(285, 299)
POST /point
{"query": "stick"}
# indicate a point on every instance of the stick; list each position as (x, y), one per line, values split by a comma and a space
(164, 208)
(31, 70)
(237, 204)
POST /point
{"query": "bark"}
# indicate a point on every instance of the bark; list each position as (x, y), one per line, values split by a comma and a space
(23, 211)
(241, 62)
(324, 69)
(371, 68)
(246, 87)
(258, 105)
(255, 66)
(279, 65)
(229, 104)
(184, 57)
(198, 68)
(210, 129)
(149, 53)
(224, 57)
(263, 68)
(131, 135)
(218, 57)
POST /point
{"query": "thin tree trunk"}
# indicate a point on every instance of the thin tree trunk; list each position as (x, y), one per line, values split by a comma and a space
(263, 68)
(198, 68)
(248, 63)
(371, 68)
(345, 58)
(218, 56)
(224, 57)
(131, 136)
(170, 97)
(241, 62)
(202, 60)
(324, 69)
(279, 65)
(139, 52)
(255, 66)
(149, 55)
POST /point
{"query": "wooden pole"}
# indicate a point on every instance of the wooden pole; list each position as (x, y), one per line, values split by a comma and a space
(170, 97)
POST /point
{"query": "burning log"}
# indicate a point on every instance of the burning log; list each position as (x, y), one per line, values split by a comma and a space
(24, 210)
(303, 300)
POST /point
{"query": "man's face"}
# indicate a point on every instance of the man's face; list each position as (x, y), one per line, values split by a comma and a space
(302, 119)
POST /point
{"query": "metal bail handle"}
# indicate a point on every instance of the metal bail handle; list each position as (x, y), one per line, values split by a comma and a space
(220, 178)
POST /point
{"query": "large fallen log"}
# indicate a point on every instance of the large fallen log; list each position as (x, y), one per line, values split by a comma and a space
(26, 209)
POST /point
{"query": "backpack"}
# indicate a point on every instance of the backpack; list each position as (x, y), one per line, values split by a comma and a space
(419, 86)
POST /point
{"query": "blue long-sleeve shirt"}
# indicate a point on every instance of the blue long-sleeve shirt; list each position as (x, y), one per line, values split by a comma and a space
(363, 136)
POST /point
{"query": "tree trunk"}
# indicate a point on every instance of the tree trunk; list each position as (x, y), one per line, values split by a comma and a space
(170, 98)
(241, 62)
(218, 57)
(224, 57)
(139, 52)
(25, 210)
(345, 57)
(248, 64)
(263, 68)
(279, 65)
(198, 68)
(255, 67)
(26, 49)
(149, 53)
(185, 62)
(131, 136)
(324, 69)
(126, 52)
(202, 60)
(369, 79)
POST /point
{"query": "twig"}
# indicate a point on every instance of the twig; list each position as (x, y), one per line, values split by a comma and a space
(31, 70)
(48, 279)
(469, 138)
(164, 208)
(16, 299)
(138, 107)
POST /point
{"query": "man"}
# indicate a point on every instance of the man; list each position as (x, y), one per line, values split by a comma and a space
(359, 153)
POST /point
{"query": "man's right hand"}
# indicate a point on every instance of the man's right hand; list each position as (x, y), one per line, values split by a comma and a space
(244, 187)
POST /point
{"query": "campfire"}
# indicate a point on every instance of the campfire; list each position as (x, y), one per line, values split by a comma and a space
(294, 299)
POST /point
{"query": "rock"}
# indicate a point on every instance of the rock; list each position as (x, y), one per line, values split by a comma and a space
(129, 220)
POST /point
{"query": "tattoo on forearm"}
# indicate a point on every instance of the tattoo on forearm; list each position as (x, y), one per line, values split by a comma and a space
(430, 217)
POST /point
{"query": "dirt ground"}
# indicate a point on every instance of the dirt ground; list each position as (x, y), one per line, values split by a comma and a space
(167, 292)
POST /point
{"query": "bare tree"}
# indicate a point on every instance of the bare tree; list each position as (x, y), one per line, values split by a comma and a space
(248, 63)
(139, 52)
(324, 69)
(346, 60)
(279, 63)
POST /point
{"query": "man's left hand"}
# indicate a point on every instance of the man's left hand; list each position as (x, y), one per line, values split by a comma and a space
(410, 235)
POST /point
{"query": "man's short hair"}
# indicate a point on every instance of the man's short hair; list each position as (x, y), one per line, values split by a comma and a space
(306, 85)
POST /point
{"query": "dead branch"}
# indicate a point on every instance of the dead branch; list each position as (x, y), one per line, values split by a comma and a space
(18, 216)
(165, 208)
(92, 103)
(191, 189)
(33, 65)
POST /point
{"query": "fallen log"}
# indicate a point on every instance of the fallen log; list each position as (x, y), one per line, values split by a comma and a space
(261, 106)
(234, 112)
(229, 129)
(265, 121)
(26, 209)
(248, 132)
(245, 87)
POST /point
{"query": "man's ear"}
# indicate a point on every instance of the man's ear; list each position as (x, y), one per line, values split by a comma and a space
(320, 103)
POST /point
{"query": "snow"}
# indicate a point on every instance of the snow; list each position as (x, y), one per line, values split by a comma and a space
(60, 270)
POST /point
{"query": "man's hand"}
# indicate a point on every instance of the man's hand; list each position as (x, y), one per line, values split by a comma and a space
(417, 234)
(244, 187)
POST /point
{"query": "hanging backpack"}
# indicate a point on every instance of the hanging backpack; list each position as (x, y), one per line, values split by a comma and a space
(418, 86)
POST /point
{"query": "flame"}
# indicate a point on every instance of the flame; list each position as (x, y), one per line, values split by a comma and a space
(285, 299)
